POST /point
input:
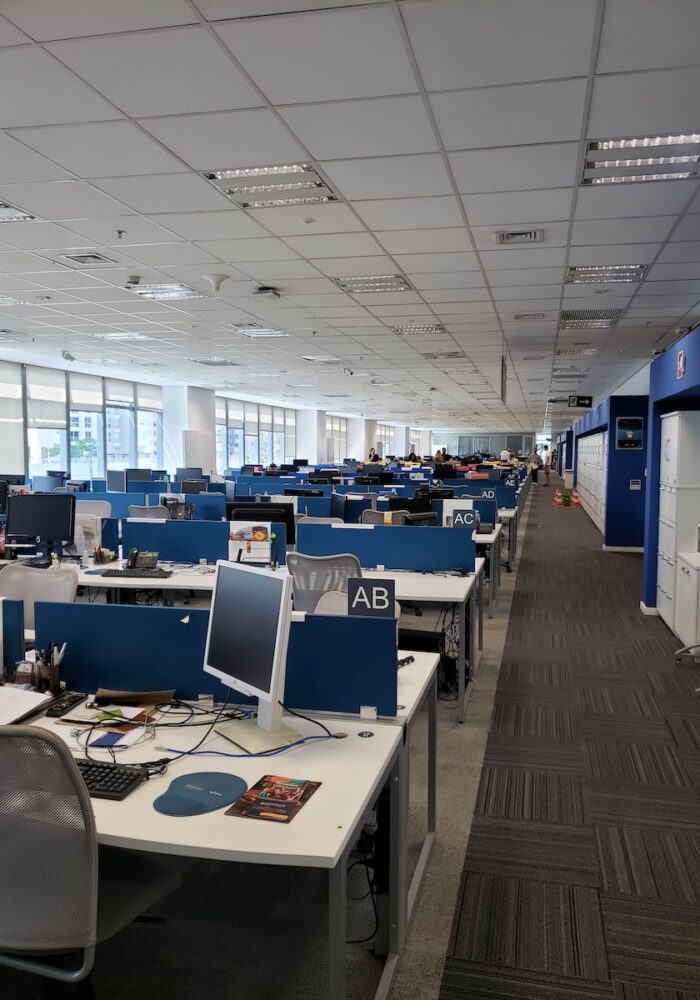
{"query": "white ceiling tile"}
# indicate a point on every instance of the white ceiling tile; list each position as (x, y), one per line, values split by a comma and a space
(461, 44)
(39, 236)
(507, 209)
(105, 232)
(10, 35)
(515, 168)
(402, 176)
(589, 231)
(645, 34)
(676, 302)
(305, 220)
(424, 240)
(229, 224)
(624, 253)
(655, 103)
(17, 163)
(61, 200)
(688, 228)
(440, 295)
(36, 90)
(165, 193)
(384, 126)
(608, 201)
(338, 245)
(454, 279)
(166, 254)
(162, 73)
(410, 213)
(421, 263)
(678, 253)
(509, 257)
(328, 55)
(100, 149)
(225, 9)
(44, 19)
(19, 262)
(507, 116)
(266, 248)
(674, 288)
(523, 293)
(267, 272)
(586, 297)
(357, 266)
(525, 276)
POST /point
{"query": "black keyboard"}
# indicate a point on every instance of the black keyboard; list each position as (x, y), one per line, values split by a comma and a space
(109, 781)
(153, 573)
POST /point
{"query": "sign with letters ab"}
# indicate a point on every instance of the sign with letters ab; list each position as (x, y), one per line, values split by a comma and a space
(371, 598)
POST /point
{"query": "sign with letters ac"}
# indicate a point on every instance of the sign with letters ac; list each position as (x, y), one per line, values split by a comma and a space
(463, 518)
(581, 401)
(371, 598)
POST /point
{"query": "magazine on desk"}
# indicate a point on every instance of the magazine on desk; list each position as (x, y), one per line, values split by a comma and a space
(274, 798)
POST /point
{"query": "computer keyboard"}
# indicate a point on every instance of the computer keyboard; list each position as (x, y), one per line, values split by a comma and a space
(109, 781)
(154, 573)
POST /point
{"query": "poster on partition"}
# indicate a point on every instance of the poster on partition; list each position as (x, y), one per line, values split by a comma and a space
(250, 541)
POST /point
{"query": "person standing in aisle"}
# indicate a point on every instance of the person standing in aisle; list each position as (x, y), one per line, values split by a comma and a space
(547, 465)
(535, 463)
(505, 455)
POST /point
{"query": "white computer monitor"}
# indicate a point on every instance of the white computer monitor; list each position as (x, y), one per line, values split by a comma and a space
(246, 649)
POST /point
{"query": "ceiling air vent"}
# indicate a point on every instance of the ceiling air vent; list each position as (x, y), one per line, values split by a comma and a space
(528, 317)
(513, 237)
(444, 355)
(88, 259)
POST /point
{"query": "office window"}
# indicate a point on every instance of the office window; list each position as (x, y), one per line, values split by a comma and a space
(120, 424)
(386, 437)
(236, 452)
(514, 442)
(290, 435)
(527, 444)
(149, 426)
(277, 435)
(47, 438)
(11, 419)
(265, 435)
(497, 443)
(336, 438)
(221, 447)
(86, 426)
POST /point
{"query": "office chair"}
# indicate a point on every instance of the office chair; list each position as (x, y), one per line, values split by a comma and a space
(306, 519)
(313, 576)
(24, 583)
(96, 508)
(159, 513)
(377, 516)
(60, 894)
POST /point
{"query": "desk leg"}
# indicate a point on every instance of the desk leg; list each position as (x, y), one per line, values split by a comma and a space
(473, 628)
(493, 573)
(481, 612)
(337, 928)
(461, 659)
(426, 848)
(511, 554)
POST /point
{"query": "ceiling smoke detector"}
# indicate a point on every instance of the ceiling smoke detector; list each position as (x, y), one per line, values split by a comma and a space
(265, 292)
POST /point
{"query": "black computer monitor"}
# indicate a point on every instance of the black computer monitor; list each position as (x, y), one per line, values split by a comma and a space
(280, 512)
(157, 474)
(137, 475)
(338, 506)
(414, 505)
(50, 517)
(194, 485)
(188, 472)
(288, 467)
(294, 491)
(301, 461)
(3, 496)
(444, 471)
(440, 494)
(78, 485)
(422, 520)
(247, 470)
(367, 480)
(320, 480)
(13, 479)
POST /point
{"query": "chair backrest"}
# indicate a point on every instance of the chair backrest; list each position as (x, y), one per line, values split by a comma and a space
(158, 513)
(306, 519)
(97, 508)
(48, 861)
(313, 576)
(377, 516)
(24, 583)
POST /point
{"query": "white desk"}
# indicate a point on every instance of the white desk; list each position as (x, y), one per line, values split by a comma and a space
(510, 517)
(493, 542)
(190, 579)
(352, 771)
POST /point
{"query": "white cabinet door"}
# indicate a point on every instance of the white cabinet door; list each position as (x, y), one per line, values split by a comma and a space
(686, 603)
(667, 537)
(666, 573)
(665, 607)
(668, 499)
(668, 467)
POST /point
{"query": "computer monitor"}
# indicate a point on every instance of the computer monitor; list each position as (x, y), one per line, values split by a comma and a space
(440, 494)
(301, 461)
(3, 496)
(116, 481)
(288, 467)
(422, 520)
(294, 491)
(414, 505)
(157, 474)
(57, 473)
(338, 506)
(194, 485)
(247, 470)
(247, 639)
(279, 512)
(45, 484)
(13, 479)
(78, 485)
(49, 517)
(320, 480)
(188, 472)
(367, 480)
(137, 475)
(444, 471)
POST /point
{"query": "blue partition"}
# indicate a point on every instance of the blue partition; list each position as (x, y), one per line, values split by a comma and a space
(111, 529)
(12, 621)
(424, 549)
(313, 506)
(178, 541)
(216, 488)
(207, 506)
(147, 486)
(101, 652)
(354, 508)
(120, 501)
(99, 485)
(250, 485)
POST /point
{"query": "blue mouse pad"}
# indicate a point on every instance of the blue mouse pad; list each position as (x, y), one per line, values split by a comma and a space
(202, 792)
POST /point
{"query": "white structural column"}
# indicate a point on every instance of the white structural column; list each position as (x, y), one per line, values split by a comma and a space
(370, 437)
(189, 420)
(311, 435)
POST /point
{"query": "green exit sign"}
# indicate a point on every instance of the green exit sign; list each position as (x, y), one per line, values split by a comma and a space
(581, 401)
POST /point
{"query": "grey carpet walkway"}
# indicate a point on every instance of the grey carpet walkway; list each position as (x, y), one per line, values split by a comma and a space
(582, 874)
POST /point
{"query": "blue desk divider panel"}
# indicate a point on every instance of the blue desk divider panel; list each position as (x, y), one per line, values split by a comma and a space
(207, 506)
(146, 486)
(354, 508)
(488, 510)
(120, 501)
(422, 549)
(110, 533)
(102, 652)
(99, 485)
(313, 506)
(250, 485)
(328, 669)
(12, 622)
(217, 488)
(179, 541)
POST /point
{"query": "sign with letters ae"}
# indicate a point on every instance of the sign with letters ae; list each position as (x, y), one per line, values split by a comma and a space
(371, 598)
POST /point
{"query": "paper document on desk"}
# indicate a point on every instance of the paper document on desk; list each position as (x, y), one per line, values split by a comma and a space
(16, 703)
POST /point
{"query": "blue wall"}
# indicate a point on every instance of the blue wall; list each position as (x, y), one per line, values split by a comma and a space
(667, 393)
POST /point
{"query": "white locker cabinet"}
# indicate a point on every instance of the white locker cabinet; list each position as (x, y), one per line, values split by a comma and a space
(687, 598)
(665, 604)
(591, 476)
(679, 462)
(680, 506)
(666, 573)
(667, 537)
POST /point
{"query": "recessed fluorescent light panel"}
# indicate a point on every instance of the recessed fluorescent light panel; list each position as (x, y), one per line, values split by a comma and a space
(214, 362)
(604, 274)
(589, 319)
(8, 213)
(164, 292)
(7, 300)
(444, 355)
(405, 329)
(255, 330)
(368, 283)
(322, 359)
(272, 187)
(576, 352)
(645, 158)
(528, 317)
(121, 336)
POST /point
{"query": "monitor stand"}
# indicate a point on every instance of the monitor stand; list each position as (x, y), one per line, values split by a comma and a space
(247, 734)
